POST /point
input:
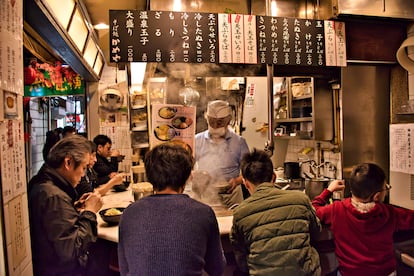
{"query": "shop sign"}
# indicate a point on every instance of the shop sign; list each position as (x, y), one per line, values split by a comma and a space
(194, 37)
(42, 80)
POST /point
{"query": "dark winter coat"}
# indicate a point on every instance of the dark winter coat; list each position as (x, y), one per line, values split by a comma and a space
(104, 167)
(60, 235)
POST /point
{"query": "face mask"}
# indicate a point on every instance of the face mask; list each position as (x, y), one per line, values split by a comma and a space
(217, 132)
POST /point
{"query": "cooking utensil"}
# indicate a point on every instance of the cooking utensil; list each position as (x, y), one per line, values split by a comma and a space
(315, 186)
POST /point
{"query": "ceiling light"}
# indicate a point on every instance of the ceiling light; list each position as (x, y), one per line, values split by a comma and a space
(138, 75)
(101, 26)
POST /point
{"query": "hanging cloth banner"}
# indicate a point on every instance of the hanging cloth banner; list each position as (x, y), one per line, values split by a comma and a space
(42, 80)
(194, 37)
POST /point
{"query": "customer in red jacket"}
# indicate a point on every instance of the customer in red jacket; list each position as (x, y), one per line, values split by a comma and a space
(363, 226)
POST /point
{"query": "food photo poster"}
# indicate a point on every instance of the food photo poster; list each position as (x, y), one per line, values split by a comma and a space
(172, 122)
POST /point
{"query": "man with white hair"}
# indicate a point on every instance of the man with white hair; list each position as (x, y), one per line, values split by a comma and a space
(219, 150)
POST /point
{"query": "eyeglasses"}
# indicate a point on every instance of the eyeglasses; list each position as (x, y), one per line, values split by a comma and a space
(387, 187)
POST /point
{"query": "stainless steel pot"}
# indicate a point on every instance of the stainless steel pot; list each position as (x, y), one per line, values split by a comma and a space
(315, 186)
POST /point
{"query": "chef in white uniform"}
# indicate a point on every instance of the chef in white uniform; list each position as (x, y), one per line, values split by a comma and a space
(219, 150)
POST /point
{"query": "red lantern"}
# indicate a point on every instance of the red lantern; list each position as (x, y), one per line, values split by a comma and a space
(29, 75)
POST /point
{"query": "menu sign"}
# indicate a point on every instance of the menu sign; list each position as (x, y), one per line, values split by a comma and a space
(291, 41)
(192, 37)
(161, 36)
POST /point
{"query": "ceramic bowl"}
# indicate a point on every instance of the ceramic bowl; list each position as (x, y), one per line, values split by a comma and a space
(111, 219)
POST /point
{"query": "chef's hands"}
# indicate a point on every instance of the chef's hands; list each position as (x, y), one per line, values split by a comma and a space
(233, 183)
(336, 185)
(90, 202)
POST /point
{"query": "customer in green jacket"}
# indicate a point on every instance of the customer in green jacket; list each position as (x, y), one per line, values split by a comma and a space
(272, 229)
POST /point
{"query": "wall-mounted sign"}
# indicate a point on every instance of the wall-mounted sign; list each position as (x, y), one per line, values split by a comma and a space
(192, 37)
(42, 80)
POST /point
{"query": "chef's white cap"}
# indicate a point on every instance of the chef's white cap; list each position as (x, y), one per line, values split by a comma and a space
(218, 109)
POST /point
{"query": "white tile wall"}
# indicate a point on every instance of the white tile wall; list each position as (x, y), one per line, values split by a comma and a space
(296, 147)
(38, 136)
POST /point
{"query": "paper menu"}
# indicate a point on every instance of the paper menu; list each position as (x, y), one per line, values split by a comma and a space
(402, 148)
(12, 159)
(172, 122)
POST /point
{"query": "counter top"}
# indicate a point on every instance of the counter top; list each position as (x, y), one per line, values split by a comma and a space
(123, 199)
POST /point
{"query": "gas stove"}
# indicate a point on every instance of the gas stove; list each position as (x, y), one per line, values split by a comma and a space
(290, 184)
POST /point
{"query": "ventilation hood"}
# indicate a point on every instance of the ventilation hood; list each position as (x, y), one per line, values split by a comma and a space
(399, 9)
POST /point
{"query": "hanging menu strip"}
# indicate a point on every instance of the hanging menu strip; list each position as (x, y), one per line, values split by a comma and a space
(192, 37)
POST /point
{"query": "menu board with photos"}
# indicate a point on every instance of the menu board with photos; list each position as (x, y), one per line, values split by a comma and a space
(194, 37)
(172, 122)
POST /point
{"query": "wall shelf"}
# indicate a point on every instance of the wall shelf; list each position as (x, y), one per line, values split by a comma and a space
(297, 116)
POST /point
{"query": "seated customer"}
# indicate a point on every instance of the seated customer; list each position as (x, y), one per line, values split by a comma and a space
(362, 225)
(89, 183)
(61, 234)
(169, 233)
(107, 160)
(273, 228)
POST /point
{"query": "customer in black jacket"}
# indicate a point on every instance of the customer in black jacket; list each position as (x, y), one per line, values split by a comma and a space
(107, 160)
(89, 183)
(60, 232)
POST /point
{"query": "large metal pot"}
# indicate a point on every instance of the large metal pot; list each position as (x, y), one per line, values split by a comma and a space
(315, 186)
(291, 170)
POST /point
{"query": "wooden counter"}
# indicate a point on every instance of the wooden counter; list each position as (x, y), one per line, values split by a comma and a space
(324, 244)
(123, 199)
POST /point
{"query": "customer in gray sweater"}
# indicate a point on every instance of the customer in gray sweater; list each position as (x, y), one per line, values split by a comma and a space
(169, 233)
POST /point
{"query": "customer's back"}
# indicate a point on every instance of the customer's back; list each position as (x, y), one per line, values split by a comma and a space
(272, 229)
(169, 233)
(362, 225)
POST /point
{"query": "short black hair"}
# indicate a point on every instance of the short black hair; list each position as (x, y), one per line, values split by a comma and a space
(257, 167)
(52, 137)
(68, 129)
(93, 146)
(102, 140)
(366, 179)
(168, 165)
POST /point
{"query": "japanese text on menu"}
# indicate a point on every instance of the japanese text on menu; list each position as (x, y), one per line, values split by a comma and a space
(164, 36)
(290, 41)
(191, 37)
